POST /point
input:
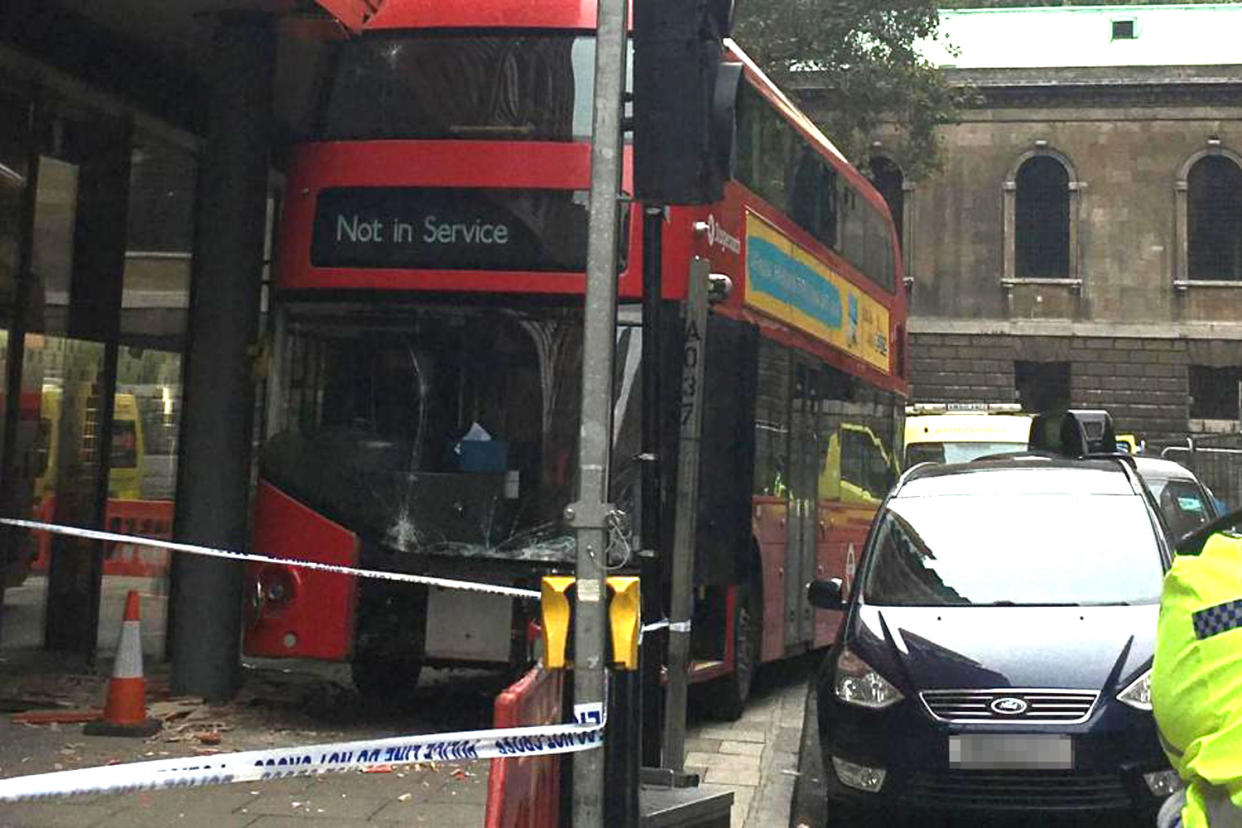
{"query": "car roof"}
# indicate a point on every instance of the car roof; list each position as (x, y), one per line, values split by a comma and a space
(1156, 467)
(1020, 474)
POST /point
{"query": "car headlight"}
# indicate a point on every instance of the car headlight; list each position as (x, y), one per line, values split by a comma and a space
(1138, 694)
(858, 683)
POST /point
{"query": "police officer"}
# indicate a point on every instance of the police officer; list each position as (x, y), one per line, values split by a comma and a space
(1196, 683)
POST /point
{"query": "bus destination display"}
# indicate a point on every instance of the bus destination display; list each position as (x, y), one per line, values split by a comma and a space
(450, 229)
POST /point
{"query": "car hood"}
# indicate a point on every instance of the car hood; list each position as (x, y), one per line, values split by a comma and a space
(990, 647)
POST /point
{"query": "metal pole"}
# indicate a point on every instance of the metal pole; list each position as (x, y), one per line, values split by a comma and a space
(681, 598)
(622, 747)
(589, 515)
(655, 644)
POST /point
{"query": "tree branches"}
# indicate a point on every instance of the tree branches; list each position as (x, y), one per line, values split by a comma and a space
(862, 54)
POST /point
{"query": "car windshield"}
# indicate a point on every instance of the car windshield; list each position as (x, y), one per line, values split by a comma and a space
(1014, 549)
(956, 451)
(1183, 504)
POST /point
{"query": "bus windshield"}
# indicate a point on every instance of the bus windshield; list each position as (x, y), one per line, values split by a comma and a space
(533, 87)
(431, 429)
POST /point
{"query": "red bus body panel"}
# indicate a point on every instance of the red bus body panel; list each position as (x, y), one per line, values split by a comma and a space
(680, 243)
(842, 532)
(771, 515)
(469, 14)
(353, 14)
(321, 610)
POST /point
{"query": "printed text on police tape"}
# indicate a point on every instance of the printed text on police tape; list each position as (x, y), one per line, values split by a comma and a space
(280, 763)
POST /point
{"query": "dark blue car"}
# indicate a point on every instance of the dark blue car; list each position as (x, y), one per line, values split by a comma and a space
(997, 645)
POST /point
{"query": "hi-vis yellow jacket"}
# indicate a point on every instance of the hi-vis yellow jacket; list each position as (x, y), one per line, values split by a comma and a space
(1196, 684)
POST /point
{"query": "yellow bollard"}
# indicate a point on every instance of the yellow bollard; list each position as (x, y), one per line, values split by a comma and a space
(557, 611)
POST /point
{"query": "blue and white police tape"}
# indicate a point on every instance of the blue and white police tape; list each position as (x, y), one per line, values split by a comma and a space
(194, 549)
(309, 760)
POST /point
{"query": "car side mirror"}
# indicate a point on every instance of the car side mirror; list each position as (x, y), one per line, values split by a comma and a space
(827, 595)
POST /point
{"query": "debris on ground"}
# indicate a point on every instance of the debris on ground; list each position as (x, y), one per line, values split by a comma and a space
(20, 704)
(174, 709)
(34, 718)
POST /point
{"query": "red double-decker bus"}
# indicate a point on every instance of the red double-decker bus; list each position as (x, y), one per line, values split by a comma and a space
(425, 384)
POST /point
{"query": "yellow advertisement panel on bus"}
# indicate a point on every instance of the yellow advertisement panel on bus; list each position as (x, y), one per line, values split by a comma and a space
(784, 280)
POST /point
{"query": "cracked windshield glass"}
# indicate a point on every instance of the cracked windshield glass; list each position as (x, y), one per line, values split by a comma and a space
(433, 431)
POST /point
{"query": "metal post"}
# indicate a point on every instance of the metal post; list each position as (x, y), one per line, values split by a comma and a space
(622, 748)
(589, 515)
(622, 737)
(651, 567)
(213, 476)
(681, 598)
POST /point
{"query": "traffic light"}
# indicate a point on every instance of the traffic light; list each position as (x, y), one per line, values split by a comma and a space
(683, 100)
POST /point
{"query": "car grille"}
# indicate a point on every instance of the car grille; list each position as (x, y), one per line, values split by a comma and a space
(1042, 706)
(1019, 790)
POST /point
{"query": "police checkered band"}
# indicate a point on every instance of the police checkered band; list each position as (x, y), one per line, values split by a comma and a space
(1218, 619)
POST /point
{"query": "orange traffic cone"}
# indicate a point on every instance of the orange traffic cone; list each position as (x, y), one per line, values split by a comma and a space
(125, 713)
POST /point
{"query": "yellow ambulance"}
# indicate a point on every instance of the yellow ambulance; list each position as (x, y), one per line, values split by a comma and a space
(958, 432)
(125, 468)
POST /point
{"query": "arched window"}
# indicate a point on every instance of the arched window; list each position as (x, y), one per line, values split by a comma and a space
(1042, 201)
(1042, 219)
(1214, 219)
(888, 179)
(898, 194)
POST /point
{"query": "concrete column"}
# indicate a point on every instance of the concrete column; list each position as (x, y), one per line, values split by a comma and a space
(1181, 241)
(213, 476)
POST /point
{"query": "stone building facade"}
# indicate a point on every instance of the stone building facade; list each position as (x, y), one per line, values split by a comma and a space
(1082, 244)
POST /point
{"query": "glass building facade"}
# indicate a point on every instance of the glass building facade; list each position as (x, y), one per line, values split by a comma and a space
(96, 231)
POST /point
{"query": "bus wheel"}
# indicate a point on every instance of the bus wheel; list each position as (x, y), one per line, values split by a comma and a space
(731, 692)
(387, 679)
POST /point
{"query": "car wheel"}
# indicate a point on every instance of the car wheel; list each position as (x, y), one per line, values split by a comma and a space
(729, 696)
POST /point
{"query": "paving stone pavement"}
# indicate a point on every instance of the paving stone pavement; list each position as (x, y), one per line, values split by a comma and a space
(756, 757)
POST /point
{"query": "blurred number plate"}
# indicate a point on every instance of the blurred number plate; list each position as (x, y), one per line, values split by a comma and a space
(1001, 751)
